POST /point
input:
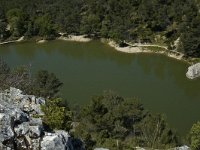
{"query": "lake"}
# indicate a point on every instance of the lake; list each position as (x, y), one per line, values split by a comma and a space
(88, 69)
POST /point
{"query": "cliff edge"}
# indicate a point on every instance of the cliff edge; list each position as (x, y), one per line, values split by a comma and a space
(21, 124)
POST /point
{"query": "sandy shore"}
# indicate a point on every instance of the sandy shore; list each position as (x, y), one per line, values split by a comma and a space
(141, 49)
(14, 41)
(76, 38)
(41, 41)
(128, 49)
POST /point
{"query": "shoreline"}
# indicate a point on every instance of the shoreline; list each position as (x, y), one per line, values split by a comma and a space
(21, 39)
(41, 41)
(131, 48)
(71, 38)
(75, 38)
(134, 49)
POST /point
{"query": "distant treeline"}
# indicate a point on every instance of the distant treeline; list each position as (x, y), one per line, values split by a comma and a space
(152, 21)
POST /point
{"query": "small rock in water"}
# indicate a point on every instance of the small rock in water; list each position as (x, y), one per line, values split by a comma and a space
(193, 71)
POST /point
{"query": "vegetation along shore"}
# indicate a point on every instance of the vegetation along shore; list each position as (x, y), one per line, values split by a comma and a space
(130, 21)
(129, 48)
(168, 27)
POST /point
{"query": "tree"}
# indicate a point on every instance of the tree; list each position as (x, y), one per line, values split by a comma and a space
(113, 122)
(90, 24)
(44, 26)
(190, 38)
(155, 132)
(4, 72)
(195, 136)
(46, 84)
(16, 20)
(3, 26)
(18, 77)
(56, 115)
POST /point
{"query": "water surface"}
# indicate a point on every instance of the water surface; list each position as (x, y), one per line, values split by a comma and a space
(88, 69)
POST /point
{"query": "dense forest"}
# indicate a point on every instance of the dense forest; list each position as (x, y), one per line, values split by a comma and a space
(152, 21)
(109, 120)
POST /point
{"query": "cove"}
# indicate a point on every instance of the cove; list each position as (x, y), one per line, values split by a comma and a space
(88, 69)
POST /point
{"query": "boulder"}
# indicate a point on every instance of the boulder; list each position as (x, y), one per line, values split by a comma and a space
(35, 131)
(35, 144)
(15, 94)
(22, 129)
(60, 140)
(193, 71)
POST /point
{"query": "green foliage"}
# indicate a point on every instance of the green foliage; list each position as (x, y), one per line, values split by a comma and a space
(130, 20)
(46, 84)
(195, 136)
(3, 32)
(43, 84)
(118, 123)
(155, 133)
(18, 77)
(4, 68)
(57, 116)
(191, 37)
(90, 24)
(16, 20)
(44, 27)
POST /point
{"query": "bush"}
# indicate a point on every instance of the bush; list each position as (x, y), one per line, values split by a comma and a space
(195, 136)
(57, 116)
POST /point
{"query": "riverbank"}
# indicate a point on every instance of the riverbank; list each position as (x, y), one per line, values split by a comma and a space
(147, 48)
(130, 48)
(41, 41)
(72, 38)
(75, 38)
(13, 41)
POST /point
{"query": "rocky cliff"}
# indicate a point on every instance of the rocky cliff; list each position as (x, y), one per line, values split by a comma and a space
(21, 125)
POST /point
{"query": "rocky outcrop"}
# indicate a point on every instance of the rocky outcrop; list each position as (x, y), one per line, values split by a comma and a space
(21, 125)
(193, 71)
(60, 140)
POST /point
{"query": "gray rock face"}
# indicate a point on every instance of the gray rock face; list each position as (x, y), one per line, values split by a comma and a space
(60, 140)
(20, 130)
(193, 71)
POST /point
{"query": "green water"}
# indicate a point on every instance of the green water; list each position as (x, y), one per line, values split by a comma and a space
(90, 68)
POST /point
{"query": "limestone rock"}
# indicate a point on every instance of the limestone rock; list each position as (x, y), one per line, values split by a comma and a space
(60, 140)
(35, 144)
(19, 129)
(22, 129)
(193, 71)
(35, 131)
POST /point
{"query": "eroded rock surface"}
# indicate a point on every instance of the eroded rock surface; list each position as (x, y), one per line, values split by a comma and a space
(19, 127)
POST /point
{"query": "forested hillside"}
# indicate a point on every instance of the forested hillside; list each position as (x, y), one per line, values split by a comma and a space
(156, 21)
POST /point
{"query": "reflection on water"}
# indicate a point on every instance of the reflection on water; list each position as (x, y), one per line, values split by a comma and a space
(89, 68)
